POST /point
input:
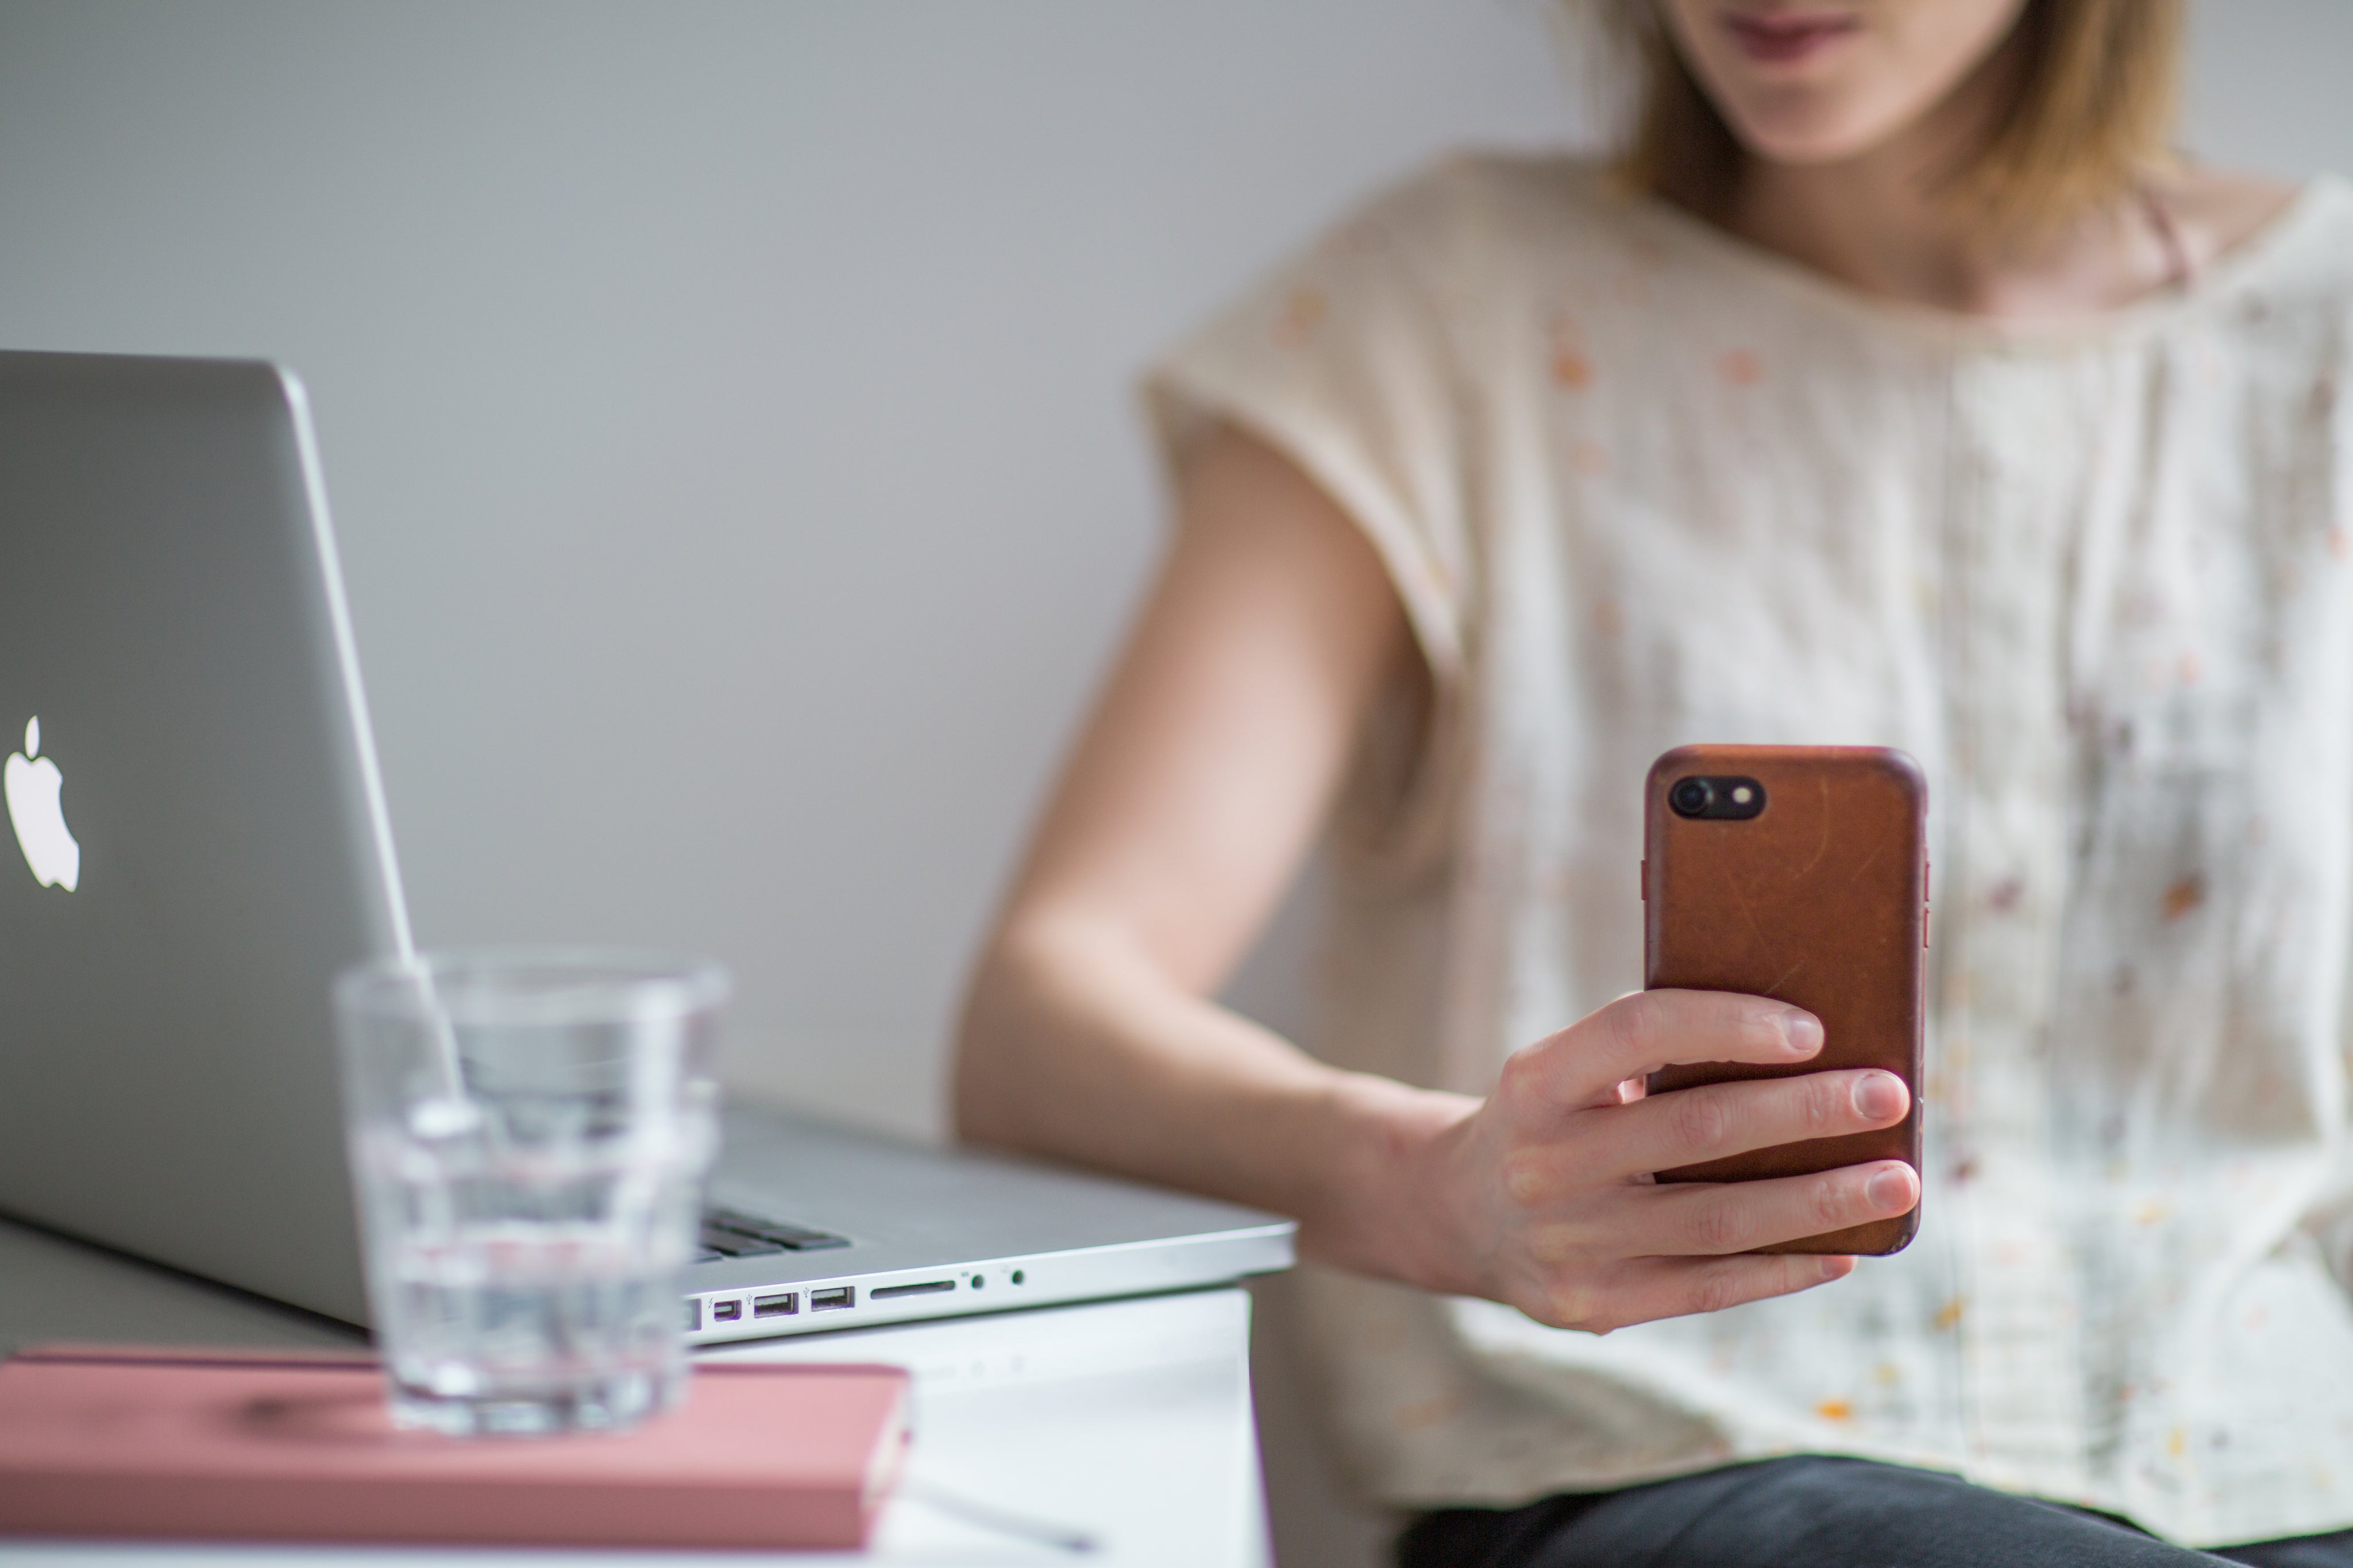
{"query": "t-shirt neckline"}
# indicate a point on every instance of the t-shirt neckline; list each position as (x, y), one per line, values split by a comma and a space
(2153, 311)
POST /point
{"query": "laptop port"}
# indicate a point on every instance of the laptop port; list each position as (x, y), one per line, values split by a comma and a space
(832, 1301)
(783, 1306)
(885, 1292)
(726, 1311)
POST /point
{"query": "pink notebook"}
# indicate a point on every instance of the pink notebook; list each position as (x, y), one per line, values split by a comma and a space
(109, 1441)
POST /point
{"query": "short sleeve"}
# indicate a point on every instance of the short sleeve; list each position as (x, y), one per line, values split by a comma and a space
(1341, 360)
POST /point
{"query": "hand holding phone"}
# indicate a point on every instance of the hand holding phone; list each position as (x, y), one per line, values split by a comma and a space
(1542, 1196)
(1798, 873)
(1617, 1173)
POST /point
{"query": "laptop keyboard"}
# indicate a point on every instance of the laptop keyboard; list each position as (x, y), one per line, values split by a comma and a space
(730, 1233)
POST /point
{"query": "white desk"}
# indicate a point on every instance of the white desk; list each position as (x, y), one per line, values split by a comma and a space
(1128, 1422)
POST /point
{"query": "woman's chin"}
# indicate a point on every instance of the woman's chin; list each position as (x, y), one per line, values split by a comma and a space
(1807, 136)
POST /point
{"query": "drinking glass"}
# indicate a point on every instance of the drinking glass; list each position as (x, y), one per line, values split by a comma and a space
(528, 1133)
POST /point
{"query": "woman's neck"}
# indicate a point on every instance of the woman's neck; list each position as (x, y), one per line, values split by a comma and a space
(1881, 222)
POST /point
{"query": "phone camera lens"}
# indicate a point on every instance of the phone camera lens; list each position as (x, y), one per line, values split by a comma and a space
(1689, 797)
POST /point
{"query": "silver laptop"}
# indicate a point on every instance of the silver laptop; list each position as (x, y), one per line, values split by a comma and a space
(200, 843)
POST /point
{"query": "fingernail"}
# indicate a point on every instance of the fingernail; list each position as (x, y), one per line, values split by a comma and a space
(1803, 1031)
(1877, 1096)
(1890, 1189)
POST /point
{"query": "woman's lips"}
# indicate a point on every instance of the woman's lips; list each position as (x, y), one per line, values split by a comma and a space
(1783, 38)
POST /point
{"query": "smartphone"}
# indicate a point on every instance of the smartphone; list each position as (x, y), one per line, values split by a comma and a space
(1798, 873)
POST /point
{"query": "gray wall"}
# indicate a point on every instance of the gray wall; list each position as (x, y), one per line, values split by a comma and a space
(725, 404)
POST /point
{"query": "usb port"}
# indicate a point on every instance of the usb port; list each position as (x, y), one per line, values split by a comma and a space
(726, 1311)
(831, 1301)
(783, 1306)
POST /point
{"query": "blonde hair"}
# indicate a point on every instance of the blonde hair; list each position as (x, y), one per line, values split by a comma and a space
(2089, 112)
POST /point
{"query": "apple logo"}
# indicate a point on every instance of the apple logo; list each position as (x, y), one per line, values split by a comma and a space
(32, 787)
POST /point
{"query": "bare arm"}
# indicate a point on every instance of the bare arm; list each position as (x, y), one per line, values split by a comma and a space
(1193, 796)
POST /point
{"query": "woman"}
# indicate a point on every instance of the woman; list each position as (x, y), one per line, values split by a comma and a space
(1895, 389)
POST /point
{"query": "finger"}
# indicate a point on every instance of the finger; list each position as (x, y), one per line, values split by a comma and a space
(1639, 1034)
(1663, 1132)
(1695, 1218)
(1650, 1288)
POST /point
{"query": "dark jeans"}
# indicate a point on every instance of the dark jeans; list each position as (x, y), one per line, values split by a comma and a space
(1810, 1512)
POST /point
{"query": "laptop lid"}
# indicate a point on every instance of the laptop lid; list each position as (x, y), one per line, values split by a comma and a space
(199, 842)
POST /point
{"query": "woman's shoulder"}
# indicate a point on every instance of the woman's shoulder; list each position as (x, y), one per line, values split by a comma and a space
(1474, 221)
(1509, 185)
(2293, 241)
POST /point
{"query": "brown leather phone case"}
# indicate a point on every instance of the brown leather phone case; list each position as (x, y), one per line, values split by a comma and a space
(1813, 889)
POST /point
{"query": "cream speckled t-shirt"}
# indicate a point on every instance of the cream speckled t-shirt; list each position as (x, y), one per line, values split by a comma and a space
(1639, 484)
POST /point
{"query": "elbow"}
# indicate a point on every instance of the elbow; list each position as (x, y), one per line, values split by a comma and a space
(1016, 1035)
(1040, 1035)
(981, 1104)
